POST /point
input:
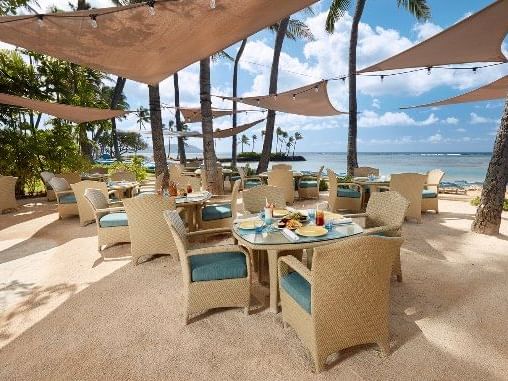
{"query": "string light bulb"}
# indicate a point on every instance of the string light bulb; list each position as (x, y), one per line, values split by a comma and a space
(382, 77)
(93, 21)
(212, 4)
(343, 79)
(40, 20)
(258, 102)
(429, 69)
(294, 96)
(475, 69)
(151, 7)
(275, 96)
(316, 89)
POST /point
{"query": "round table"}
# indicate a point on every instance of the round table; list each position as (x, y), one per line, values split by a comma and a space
(123, 188)
(191, 203)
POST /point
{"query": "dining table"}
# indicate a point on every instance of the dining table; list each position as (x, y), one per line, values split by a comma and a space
(95, 176)
(123, 189)
(371, 183)
(275, 242)
(192, 203)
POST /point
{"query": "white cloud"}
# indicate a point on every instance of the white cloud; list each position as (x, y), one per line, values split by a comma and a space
(477, 119)
(436, 138)
(462, 130)
(388, 119)
(426, 30)
(376, 104)
(451, 120)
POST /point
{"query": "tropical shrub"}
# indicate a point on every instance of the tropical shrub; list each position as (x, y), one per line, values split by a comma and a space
(476, 201)
(136, 166)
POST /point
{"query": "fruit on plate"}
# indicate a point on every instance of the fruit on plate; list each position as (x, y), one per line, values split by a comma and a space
(293, 224)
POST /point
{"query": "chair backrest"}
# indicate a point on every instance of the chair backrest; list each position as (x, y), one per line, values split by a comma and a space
(365, 171)
(71, 177)
(149, 232)
(46, 176)
(177, 229)
(158, 182)
(175, 171)
(234, 199)
(351, 285)
(96, 198)
(59, 184)
(220, 179)
(332, 187)
(282, 178)
(182, 181)
(99, 171)
(434, 177)
(254, 199)
(386, 208)
(242, 172)
(8, 192)
(286, 167)
(410, 186)
(86, 212)
(320, 173)
(123, 175)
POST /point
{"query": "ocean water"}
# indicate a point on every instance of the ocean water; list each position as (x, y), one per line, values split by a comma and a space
(465, 166)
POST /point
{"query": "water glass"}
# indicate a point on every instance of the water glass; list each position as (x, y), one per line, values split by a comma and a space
(312, 214)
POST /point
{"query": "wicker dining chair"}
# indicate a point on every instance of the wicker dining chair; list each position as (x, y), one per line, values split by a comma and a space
(384, 216)
(430, 193)
(66, 201)
(344, 300)
(220, 178)
(71, 177)
(410, 186)
(248, 181)
(50, 193)
(343, 196)
(123, 176)
(8, 193)
(282, 178)
(175, 171)
(213, 277)
(365, 171)
(99, 171)
(149, 232)
(254, 199)
(308, 185)
(86, 212)
(183, 180)
(219, 212)
(286, 167)
(112, 223)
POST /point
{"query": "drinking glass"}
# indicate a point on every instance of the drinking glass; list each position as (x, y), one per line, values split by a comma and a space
(189, 188)
(312, 214)
(320, 217)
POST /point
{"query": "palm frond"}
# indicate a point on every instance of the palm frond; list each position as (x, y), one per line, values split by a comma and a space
(418, 8)
(297, 29)
(336, 11)
(221, 55)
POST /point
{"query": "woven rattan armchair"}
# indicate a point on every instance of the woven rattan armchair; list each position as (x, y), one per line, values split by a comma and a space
(175, 171)
(50, 193)
(123, 176)
(308, 186)
(219, 212)
(99, 171)
(410, 186)
(149, 232)
(343, 196)
(285, 167)
(220, 178)
(66, 201)
(8, 193)
(254, 199)
(86, 212)
(384, 216)
(112, 223)
(344, 300)
(430, 193)
(248, 181)
(283, 179)
(213, 277)
(71, 177)
(365, 171)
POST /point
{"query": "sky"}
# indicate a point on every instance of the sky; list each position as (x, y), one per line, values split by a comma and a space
(382, 127)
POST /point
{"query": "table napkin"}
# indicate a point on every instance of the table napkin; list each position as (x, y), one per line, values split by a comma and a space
(241, 219)
(342, 221)
(290, 235)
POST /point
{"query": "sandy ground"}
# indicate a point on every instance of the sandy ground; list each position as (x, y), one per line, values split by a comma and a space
(66, 313)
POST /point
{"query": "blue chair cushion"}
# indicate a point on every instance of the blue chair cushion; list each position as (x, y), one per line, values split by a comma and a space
(68, 198)
(251, 183)
(298, 288)
(112, 220)
(308, 184)
(235, 177)
(348, 192)
(218, 266)
(216, 212)
(427, 193)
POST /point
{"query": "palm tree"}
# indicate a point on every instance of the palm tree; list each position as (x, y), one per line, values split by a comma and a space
(244, 140)
(278, 133)
(283, 139)
(298, 136)
(235, 93)
(253, 138)
(292, 29)
(418, 8)
(159, 152)
(181, 142)
(289, 144)
(143, 117)
(488, 214)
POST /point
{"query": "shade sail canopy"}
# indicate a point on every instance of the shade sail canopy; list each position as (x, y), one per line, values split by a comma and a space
(133, 44)
(193, 115)
(310, 100)
(75, 114)
(477, 38)
(220, 134)
(494, 90)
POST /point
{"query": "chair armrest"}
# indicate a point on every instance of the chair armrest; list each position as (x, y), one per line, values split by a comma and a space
(289, 261)
(380, 229)
(384, 187)
(356, 215)
(111, 191)
(200, 233)
(218, 249)
(64, 192)
(111, 210)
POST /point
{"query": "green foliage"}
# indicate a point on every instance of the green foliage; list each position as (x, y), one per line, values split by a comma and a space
(10, 6)
(128, 141)
(323, 185)
(136, 166)
(476, 201)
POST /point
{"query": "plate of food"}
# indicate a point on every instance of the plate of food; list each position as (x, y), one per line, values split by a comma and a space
(292, 220)
(278, 213)
(250, 225)
(311, 231)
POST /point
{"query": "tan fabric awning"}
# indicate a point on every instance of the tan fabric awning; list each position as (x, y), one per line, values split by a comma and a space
(235, 131)
(494, 90)
(477, 38)
(310, 100)
(145, 48)
(193, 115)
(75, 114)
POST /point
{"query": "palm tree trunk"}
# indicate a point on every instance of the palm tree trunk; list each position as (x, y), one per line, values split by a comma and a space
(210, 159)
(352, 156)
(488, 214)
(264, 160)
(179, 126)
(120, 84)
(159, 152)
(235, 94)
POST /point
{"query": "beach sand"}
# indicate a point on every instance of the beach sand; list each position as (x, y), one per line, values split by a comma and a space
(65, 313)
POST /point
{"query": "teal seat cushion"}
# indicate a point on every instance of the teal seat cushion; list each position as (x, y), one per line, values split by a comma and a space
(218, 266)
(427, 193)
(308, 184)
(112, 220)
(251, 183)
(235, 177)
(298, 288)
(216, 212)
(68, 198)
(348, 192)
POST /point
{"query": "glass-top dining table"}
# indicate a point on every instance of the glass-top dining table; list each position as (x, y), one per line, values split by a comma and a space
(271, 239)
